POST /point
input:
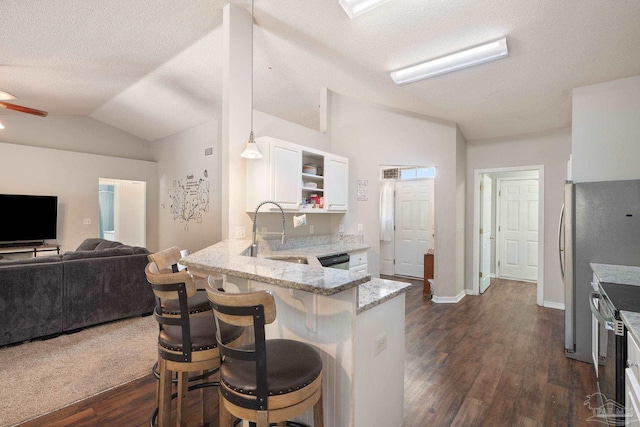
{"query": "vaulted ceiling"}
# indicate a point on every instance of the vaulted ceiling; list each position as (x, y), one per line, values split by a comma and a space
(154, 67)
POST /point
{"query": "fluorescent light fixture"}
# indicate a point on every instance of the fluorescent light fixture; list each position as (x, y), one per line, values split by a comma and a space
(453, 62)
(355, 8)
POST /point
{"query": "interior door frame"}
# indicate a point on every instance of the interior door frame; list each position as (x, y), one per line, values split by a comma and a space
(476, 226)
(483, 192)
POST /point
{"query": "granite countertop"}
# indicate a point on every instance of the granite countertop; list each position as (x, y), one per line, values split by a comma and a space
(617, 274)
(229, 257)
(632, 321)
(378, 291)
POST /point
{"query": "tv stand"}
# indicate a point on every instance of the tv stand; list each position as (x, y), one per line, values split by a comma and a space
(28, 247)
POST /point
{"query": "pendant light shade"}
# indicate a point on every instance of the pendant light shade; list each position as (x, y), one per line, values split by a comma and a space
(251, 150)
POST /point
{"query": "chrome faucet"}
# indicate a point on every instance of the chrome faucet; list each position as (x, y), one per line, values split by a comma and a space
(254, 245)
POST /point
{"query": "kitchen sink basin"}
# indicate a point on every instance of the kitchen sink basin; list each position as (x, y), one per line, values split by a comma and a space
(292, 259)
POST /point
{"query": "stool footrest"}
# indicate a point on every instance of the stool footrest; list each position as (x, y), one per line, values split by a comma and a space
(154, 416)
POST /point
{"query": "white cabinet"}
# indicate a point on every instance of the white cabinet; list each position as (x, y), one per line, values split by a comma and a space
(337, 187)
(358, 261)
(274, 176)
(313, 182)
(632, 387)
(280, 176)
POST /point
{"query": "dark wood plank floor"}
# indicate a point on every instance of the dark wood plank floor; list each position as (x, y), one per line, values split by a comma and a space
(490, 360)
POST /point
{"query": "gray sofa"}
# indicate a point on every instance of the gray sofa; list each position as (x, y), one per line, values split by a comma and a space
(99, 282)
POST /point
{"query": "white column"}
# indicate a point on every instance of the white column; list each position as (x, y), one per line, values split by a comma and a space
(236, 115)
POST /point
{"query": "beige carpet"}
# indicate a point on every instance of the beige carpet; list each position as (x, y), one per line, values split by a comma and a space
(42, 376)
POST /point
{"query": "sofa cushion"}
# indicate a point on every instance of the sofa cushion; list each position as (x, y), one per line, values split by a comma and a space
(123, 250)
(35, 260)
(139, 250)
(89, 244)
(106, 244)
(30, 300)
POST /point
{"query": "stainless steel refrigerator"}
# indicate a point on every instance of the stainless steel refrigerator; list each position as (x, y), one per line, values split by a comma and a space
(600, 223)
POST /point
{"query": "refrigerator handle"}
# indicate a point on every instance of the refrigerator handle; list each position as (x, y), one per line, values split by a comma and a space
(560, 248)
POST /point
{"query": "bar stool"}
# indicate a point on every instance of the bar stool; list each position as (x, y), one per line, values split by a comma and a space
(186, 343)
(267, 381)
(167, 263)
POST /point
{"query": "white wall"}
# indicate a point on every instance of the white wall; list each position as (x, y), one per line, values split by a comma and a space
(73, 133)
(372, 135)
(550, 149)
(606, 131)
(180, 156)
(73, 177)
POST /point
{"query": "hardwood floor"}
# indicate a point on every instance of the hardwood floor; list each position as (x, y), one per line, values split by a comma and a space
(490, 360)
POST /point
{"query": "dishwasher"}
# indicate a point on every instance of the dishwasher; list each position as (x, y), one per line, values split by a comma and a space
(340, 261)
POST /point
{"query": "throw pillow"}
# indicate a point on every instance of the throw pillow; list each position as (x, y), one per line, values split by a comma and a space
(106, 244)
(89, 244)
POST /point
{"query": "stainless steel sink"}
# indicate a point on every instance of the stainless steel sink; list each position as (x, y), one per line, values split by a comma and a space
(292, 259)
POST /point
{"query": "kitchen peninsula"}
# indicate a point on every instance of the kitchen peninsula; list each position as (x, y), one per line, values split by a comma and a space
(356, 323)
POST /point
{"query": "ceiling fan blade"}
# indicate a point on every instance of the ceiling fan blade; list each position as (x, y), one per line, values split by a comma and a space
(22, 109)
(6, 96)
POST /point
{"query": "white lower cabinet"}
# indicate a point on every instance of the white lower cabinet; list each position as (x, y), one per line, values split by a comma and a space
(632, 386)
(358, 261)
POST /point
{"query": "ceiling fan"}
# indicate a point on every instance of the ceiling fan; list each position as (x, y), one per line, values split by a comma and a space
(4, 96)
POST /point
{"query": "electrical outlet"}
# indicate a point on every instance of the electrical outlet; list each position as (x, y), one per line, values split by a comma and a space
(341, 228)
(311, 229)
(359, 228)
(380, 344)
(264, 229)
(87, 221)
(240, 233)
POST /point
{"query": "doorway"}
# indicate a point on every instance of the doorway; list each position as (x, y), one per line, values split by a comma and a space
(123, 211)
(508, 238)
(407, 229)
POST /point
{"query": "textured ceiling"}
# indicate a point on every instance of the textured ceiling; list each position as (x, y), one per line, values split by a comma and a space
(153, 67)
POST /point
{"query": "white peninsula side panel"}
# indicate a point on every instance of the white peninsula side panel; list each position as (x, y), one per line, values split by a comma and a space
(379, 372)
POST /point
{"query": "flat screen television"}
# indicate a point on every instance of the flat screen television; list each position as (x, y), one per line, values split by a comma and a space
(28, 218)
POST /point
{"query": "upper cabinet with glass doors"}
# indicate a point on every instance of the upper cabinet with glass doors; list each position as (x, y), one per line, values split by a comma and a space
(300, 179)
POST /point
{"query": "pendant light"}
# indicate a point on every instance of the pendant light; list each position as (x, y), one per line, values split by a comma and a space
(251, 150)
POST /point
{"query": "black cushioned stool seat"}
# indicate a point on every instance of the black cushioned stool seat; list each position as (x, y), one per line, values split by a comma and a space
(198, 303)
(203, 334)
(291, 365)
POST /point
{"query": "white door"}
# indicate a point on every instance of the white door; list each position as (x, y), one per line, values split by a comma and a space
(485, 233)
(414, 226)
(518, 229)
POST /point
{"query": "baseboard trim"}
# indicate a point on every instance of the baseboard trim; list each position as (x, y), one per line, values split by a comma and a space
(450, 300)
(555, 305)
